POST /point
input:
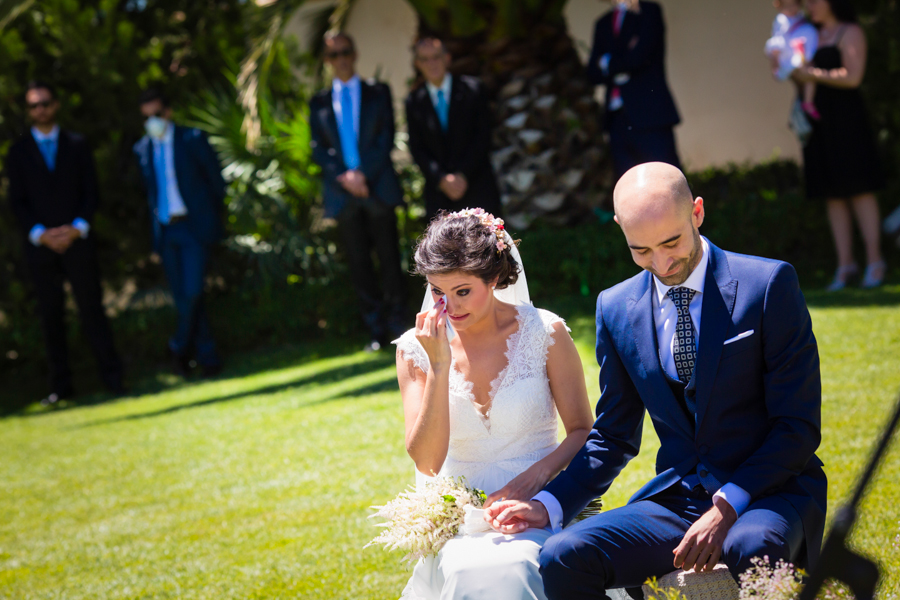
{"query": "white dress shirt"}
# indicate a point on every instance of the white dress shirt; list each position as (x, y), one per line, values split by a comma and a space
(665, 317)
(446, 87)
(177, 207)
(34, 236)
(337, 88)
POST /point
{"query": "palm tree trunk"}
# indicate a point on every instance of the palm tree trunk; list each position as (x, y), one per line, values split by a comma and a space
(549, 150)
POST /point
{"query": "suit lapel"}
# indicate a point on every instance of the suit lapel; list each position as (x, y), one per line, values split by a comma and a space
(146, 151)
(365, 121)
(35, 152)
(179, 157)
(63, 151)
(457, 98)
(719, 294)
(326, 116)
(640, 314)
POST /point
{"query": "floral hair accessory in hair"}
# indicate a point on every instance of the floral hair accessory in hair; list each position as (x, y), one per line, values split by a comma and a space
(488, 220)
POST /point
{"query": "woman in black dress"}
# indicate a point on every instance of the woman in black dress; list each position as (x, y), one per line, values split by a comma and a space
(840, 159)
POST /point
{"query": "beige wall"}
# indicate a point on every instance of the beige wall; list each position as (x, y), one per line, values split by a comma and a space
(732, 110)
(383, 30)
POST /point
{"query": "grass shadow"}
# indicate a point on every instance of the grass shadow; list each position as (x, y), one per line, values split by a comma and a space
(322, 378)
(158, 380)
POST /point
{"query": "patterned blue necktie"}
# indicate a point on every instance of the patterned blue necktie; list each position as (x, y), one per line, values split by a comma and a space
(684, 349)
(442, 109)
(48, 151)
(349, 144)
(162, 182)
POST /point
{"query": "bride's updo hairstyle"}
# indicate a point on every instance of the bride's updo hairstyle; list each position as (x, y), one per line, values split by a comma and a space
(471, 241)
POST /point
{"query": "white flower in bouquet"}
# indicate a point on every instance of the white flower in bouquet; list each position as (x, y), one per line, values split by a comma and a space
(419, 522)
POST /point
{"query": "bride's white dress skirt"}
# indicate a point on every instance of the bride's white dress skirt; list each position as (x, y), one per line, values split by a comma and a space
(519, 429)
(481, 566)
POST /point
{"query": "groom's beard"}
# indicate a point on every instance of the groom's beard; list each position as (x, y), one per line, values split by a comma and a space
(687, 265)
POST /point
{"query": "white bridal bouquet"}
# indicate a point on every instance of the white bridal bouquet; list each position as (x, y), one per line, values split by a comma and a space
(420, 521)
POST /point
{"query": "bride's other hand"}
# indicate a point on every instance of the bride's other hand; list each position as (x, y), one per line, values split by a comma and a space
(524, 486)
(431, 331)
(515, 516)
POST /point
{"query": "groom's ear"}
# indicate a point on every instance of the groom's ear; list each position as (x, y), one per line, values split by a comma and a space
(616, 219)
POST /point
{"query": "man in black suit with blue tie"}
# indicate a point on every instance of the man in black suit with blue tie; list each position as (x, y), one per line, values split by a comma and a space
(53, 193)
(628, 57)
(186, 193)
(449, 125)
(718, 349)
(352, 127)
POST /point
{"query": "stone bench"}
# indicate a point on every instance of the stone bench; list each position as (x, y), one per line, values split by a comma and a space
(718, 584)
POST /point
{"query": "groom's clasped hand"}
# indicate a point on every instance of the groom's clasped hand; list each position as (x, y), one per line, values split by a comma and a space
(514, 516)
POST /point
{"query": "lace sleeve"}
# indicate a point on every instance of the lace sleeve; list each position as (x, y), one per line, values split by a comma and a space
(549, 320)
(410, 349)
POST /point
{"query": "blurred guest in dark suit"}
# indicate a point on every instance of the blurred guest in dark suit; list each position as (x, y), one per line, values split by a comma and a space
(352, 126)
(186, 192)
(628, 57)
(450, 135)
(53, 193)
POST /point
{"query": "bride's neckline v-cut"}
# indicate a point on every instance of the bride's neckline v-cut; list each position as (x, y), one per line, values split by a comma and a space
(484, 410)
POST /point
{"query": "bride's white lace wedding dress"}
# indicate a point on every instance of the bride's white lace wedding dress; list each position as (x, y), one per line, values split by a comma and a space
(517, 429)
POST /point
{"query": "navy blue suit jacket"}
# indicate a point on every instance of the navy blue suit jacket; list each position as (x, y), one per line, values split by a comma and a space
(200, 183)
(51, 198)
(376, 139)
(647, 101)
(464, 148)
(758, 399)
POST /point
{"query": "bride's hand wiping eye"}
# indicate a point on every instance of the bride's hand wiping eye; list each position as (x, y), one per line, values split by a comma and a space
(431, 331)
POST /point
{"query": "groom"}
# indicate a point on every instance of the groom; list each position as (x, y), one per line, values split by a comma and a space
(718, 348)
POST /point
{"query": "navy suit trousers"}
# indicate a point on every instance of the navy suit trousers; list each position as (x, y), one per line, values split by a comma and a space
(626, 546)
(631, 146)
(184, 260)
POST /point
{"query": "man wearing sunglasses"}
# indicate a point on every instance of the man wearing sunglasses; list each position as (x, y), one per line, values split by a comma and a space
(352, 127)
(186, 194)
(53, 193)
(449, 125)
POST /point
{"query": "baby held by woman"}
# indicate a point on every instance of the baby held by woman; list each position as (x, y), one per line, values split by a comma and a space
(793, 43)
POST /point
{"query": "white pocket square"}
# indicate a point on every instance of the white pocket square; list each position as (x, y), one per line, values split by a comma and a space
(740, 336)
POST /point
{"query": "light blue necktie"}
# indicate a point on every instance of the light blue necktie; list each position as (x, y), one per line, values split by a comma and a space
(349, 145)
(442, 109)
(162, 187)
(48, 151)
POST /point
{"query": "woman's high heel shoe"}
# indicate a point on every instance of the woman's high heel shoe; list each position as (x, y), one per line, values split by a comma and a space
(874, 275)
(841, 276)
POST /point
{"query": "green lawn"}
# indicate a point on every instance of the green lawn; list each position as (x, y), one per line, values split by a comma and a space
(258, 485)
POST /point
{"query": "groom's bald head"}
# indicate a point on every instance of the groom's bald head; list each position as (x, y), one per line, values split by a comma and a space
(651, 191)
(660, 219)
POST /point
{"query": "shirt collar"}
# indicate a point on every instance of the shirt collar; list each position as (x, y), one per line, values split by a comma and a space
(40, 137)
(167, 138)
(337, 85)
(695, 281)
(445, 87)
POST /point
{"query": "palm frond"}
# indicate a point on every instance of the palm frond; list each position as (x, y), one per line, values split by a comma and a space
(270, 20)
(10, 9)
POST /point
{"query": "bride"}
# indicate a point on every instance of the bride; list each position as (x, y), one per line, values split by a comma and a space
(483, 402)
